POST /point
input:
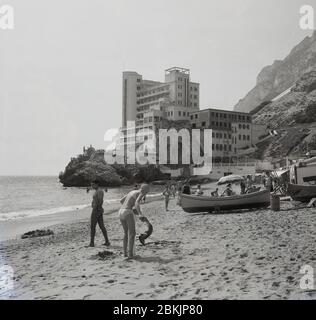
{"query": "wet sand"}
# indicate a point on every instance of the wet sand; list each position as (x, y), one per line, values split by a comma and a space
(242, 255)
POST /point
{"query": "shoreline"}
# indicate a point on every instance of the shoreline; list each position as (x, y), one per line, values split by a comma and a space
(14, 228)
(246, 255)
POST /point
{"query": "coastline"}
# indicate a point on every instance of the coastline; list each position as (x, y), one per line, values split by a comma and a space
(241, 255)
(14, 228)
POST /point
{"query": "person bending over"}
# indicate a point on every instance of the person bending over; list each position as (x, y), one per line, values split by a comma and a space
(130, 206)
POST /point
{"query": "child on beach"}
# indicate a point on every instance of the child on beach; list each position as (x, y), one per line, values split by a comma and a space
(130, 203)
(166, 193)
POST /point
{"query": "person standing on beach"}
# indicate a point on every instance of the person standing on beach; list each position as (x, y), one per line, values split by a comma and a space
(130, 205)
(97, 213)
(166, 193)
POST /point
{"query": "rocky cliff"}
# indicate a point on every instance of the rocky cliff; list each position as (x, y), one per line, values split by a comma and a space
(281, 75)
(293, 116)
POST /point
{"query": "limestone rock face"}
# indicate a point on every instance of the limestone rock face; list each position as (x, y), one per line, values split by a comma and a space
(281, 75)
(293, 116)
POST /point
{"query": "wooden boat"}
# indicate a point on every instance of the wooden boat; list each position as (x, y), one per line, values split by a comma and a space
(193, 203)
(303, 193)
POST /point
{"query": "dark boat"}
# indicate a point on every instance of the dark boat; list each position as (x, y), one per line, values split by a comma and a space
(302, 193)
(192, 203)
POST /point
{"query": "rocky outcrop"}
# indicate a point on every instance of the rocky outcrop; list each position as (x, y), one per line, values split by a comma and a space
(281, 75)
(91, 165)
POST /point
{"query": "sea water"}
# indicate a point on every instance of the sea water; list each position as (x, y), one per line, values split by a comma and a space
(25, 197)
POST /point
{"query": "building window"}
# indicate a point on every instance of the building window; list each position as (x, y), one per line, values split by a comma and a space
(203, 124)
(239, 126)
(213, 146)
(193, 125)
(239, 137)
(244, 137)
(191, 117)
(196, 116)
(179, 113)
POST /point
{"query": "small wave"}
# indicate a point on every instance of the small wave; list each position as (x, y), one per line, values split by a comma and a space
(36, 213)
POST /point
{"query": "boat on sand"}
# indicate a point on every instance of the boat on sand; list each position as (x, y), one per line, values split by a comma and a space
(193, 203)
(302, 193)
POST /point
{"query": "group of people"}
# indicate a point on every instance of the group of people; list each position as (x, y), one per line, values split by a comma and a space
(130, 206)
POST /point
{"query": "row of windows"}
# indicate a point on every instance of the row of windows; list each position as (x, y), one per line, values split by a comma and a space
(244, 137)
(215, 124)
(244, 126)
(220, 135)
(222, 147)
(183, 113)
(226, 116)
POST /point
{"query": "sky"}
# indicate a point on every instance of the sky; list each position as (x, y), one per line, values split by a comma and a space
(61, 66)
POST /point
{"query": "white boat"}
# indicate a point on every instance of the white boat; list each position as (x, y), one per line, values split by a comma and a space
(193, 203)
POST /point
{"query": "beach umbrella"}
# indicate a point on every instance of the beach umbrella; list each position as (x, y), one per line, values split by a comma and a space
(230, 179)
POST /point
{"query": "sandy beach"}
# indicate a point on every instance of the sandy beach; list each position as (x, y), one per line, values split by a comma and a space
(240, 255)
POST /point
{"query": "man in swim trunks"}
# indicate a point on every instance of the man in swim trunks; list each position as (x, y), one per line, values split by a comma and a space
(97, 213)
(130, 205)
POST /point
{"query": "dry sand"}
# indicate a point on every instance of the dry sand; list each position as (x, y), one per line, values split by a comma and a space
(249, 255)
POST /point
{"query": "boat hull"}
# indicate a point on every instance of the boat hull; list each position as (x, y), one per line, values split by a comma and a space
(192, 203)
(301, 193)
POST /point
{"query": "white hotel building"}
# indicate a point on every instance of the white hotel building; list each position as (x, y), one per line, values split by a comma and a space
(147, 102)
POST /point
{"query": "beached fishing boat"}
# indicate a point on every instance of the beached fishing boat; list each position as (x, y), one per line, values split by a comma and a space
(303, 193)
(192, 203)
